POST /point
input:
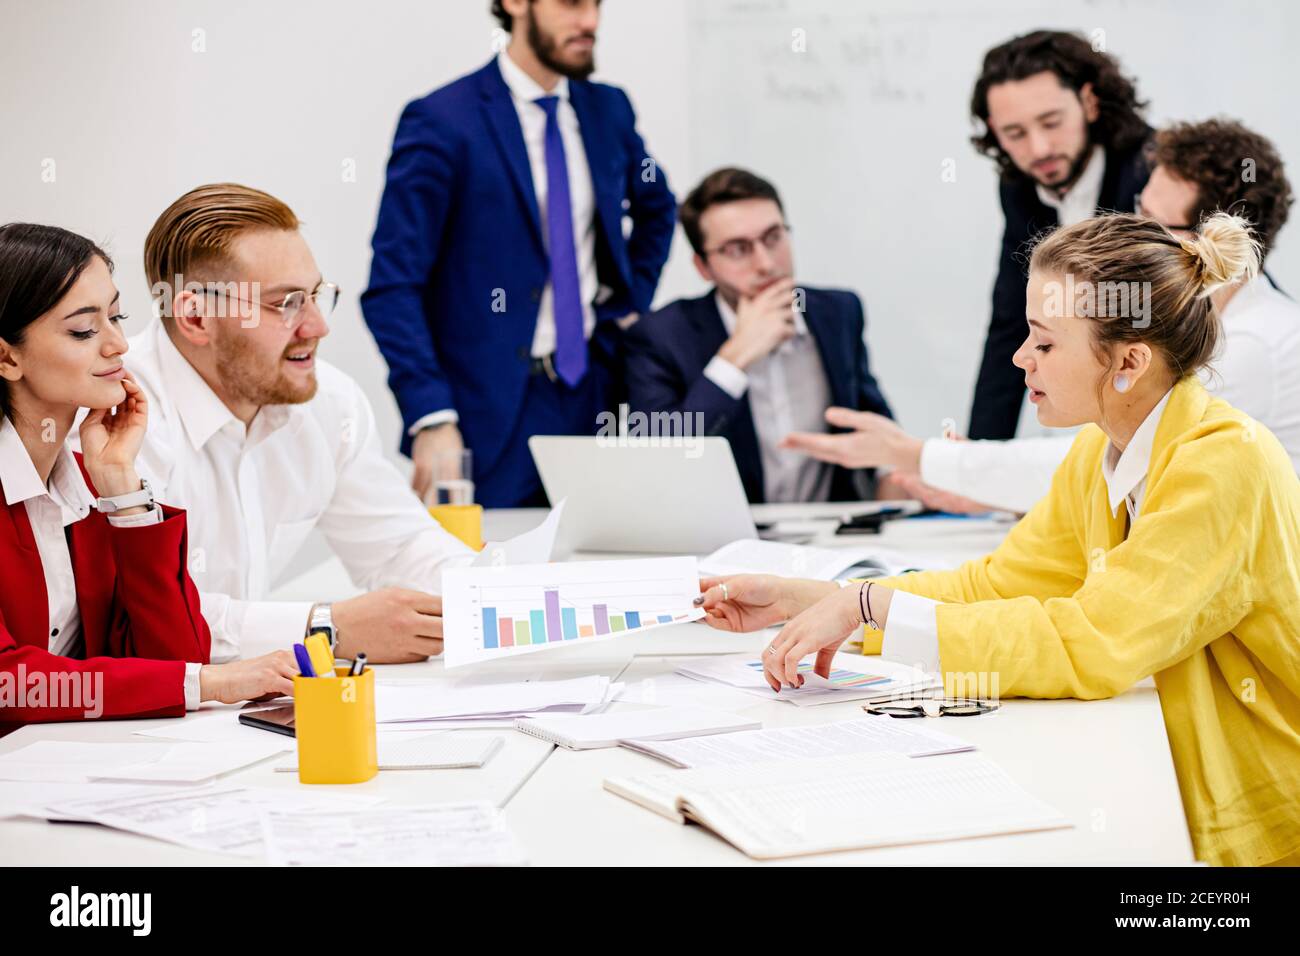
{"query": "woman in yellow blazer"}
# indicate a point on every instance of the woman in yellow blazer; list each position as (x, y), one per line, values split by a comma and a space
(1169, 544)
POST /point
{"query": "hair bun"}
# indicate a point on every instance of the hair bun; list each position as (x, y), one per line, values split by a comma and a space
(1225, 250)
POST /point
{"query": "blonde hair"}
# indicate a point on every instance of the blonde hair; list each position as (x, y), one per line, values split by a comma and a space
(196, 232)
(1177, 275)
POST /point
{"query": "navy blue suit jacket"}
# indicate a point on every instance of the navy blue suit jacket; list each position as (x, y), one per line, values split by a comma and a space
(459, 258)
(668, 350)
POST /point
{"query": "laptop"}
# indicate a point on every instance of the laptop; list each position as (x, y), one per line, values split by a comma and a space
(630, 495)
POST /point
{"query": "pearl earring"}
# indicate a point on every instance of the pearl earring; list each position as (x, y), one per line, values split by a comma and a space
(1121, 383)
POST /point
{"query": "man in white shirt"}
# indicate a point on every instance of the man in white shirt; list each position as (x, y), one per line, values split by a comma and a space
(756, 357)
(1197, 169)
(261, 442)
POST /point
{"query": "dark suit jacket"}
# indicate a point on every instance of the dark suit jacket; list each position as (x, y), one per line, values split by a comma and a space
(459, 256)
(1000, 388)
(668, 350)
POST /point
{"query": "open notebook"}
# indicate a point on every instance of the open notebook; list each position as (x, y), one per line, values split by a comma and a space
(847, 802)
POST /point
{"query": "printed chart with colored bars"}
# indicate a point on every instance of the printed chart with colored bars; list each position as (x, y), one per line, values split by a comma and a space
(497, 612)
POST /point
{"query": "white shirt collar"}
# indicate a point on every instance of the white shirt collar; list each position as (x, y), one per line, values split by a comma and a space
(1127, 470)
(201, 411)
(524, 87)
(1082, 197)
(67, 488)
(729, 316)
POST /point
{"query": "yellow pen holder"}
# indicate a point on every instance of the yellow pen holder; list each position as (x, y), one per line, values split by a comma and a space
(464, 521)
(334, 721)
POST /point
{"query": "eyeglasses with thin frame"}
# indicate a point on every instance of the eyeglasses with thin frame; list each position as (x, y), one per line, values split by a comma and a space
(934, 707)
(740, 249)
(292, 309)
(1141, 210)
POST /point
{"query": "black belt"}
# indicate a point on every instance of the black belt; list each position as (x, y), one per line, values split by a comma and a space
(543, 365)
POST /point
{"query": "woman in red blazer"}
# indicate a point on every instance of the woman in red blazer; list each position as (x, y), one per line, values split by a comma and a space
(98, 616)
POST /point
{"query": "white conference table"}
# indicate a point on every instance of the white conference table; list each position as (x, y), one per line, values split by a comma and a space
(1104, 764)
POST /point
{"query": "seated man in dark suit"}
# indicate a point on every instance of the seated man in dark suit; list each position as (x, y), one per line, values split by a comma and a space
(757, 357)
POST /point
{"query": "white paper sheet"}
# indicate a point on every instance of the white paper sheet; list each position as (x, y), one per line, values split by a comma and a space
(532, 547)
(397, 701)
(71, 761)
(863, 735)
(745, 672)
(499, 612)
(469, 834)
(757, 556)
(219, 819)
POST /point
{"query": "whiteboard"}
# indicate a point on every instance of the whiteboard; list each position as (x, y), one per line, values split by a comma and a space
(855, 111)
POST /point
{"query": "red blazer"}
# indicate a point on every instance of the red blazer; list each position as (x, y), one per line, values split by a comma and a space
(140, 618)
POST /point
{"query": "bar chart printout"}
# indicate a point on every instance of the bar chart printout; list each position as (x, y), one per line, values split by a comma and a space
(492, 613)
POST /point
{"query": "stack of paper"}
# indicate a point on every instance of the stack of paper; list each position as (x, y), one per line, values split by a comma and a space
(792, 807)
(220, 819)
(594, 731)
(427, 752)
(863, 735)
(72, 762)
(853, 677)
(469, 834)
(432, 703)
(757, 556)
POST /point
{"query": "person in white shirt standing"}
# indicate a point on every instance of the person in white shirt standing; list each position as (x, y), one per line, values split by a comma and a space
(263, 442)
(1197, 169)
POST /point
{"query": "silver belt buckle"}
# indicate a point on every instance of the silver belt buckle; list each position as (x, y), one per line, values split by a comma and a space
(549, 366)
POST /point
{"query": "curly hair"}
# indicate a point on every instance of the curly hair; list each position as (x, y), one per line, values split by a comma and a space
(1234, 169)
(1119, 124)
(498, 10)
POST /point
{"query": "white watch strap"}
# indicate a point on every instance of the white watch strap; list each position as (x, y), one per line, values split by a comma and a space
(130, 500)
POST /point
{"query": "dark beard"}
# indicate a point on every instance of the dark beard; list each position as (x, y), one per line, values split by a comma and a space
(1076, 170)
(543, 47)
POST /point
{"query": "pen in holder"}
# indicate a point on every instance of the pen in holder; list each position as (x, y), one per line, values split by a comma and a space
(334, 721)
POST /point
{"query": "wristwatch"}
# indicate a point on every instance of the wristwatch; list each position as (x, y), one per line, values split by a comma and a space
(131, 499)
(321, 621)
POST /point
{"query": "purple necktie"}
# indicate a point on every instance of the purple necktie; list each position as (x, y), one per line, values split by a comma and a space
(566, 300)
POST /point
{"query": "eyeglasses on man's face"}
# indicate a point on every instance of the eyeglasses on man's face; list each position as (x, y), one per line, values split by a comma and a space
(1142, 210)
(292, 307)
(741, 248)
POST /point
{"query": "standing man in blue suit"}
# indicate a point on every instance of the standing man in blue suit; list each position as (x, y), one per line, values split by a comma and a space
(501, 276)
(756, 358)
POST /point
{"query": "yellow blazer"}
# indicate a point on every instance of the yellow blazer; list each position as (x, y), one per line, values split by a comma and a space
(1203, 593)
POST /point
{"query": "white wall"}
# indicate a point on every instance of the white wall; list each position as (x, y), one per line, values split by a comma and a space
(285, 94)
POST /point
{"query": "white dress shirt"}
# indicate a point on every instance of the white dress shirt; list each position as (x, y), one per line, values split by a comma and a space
(912, 630)
(253, 496)
(788, 392)
(524, 92)
(1258, 367)
(1256, 370)
(50, 509)
(1080, 200)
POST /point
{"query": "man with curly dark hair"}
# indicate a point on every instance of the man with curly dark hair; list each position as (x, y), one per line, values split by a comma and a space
(1198, 169)
(1065, 128)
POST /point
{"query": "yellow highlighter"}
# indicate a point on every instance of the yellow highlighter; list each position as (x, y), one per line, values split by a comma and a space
(322, 661)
